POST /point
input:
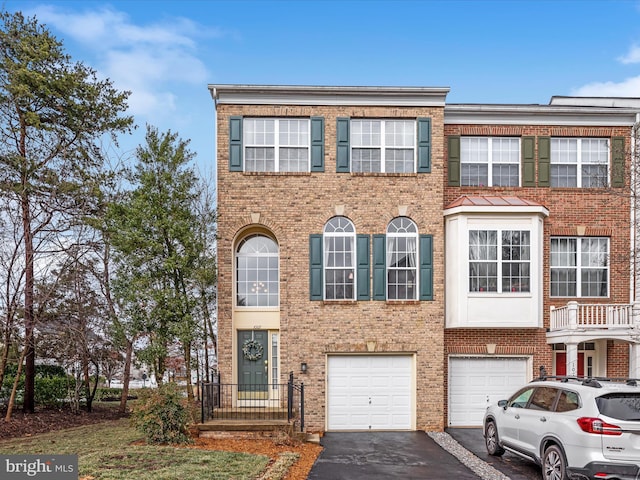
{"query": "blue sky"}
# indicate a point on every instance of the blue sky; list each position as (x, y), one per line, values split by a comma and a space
(518, 51)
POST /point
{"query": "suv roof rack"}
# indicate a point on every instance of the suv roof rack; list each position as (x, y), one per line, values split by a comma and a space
(588, 381)
(595, 382)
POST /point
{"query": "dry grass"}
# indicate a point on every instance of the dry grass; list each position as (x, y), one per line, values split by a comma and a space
(114, 450)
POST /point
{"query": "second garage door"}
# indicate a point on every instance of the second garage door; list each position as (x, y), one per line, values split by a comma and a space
(474, 382)
(370, 392)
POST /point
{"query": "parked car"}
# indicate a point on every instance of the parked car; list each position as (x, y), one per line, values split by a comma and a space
(571, 427)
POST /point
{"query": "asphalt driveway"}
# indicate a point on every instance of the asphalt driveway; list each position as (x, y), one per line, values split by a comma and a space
(514, 467)
(385, 455)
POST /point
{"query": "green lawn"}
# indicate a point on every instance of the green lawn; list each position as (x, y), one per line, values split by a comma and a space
(105, 453)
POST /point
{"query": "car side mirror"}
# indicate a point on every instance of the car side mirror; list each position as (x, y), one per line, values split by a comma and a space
(503, 404)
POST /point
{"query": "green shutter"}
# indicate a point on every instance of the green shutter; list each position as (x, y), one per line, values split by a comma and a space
(315, 267)
(453, 150)
(424, 145)
(544, 161)
(379, 267)
(343, 147)
(363, 267)
(528, 161)
(317, 144)
(426, 267)
(617, 162)
(235, 144)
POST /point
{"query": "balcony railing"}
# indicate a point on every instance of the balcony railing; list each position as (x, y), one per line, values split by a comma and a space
(576, 315)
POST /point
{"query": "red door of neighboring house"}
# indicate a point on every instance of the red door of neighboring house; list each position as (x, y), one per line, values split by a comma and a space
(561, 363)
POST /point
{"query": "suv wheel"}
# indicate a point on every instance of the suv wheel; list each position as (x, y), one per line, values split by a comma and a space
(554, 464)
(491, 440)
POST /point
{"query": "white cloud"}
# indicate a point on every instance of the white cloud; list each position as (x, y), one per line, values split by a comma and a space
(152, 61)
(627, 88)
(633, 56)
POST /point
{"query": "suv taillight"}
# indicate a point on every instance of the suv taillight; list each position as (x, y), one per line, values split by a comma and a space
(597, 426)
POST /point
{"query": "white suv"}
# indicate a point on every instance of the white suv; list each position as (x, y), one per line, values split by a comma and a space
(572, 427)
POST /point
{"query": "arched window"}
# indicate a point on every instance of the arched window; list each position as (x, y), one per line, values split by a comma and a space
(257, 272)
(402, 259)
(339, 259)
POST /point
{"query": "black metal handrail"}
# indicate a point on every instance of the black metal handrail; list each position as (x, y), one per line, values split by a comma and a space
(295, 392)
(233, 401)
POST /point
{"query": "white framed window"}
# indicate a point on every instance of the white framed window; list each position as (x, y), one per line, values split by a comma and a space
(257, 272)
(490, 161)
(402, 259)
(339, 259)
(499, 261)
(384, 146)
(276, 145)
(579, 162)
(579, 267)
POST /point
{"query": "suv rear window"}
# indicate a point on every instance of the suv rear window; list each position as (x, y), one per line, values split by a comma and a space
(621, 406)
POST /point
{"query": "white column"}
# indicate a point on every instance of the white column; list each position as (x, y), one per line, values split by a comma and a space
(572, 359)
(635, 313)
(573, 319)
(634, 360)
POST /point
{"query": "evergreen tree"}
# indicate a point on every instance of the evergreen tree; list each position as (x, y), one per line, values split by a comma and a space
(155, 233)
(52, 113)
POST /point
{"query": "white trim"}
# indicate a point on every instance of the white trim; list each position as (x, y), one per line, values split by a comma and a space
(327, 95)
(475, 114)
(628, 102)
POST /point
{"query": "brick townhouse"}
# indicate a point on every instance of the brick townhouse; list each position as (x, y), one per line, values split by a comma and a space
(410, 260)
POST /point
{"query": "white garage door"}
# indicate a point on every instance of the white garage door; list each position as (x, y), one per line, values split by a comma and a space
(475, 382)
(372, 392)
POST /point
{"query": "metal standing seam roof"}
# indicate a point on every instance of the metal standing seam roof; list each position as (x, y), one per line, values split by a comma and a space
(494, 204)
(491, 201)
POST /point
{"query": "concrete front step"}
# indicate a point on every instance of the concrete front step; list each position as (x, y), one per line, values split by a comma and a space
(243, 425)
(248, 429)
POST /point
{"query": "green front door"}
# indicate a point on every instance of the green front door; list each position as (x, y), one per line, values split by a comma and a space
(253, 364)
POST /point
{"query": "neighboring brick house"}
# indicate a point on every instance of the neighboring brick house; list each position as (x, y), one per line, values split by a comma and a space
(341, 208)
(537, 210)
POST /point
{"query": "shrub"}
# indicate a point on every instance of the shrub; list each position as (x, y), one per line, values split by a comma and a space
(105, 394)
(51, 385)
(51, 391)
(50, 371)
(161, 416)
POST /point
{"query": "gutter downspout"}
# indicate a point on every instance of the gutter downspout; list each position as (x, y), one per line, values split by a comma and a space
(635, 164)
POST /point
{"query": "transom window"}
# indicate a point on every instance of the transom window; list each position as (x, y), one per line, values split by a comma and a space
(257, 272)
(386, 146)
(579, 162)
(580, 267)
(276, 145)
(339, 259)
(489, 161)
(499, 261)
(402, 271)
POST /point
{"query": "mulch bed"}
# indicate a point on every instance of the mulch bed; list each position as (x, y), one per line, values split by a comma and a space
(51, 419)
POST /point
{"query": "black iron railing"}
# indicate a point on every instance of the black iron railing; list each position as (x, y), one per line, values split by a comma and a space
(237, 401)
